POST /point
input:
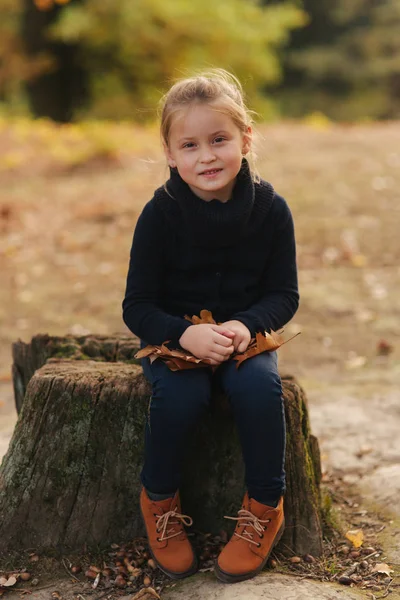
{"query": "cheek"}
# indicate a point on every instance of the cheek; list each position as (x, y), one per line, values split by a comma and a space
(186, 164)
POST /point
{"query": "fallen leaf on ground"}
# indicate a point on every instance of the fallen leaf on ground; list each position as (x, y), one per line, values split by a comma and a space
(96, 581)
(355, 536)
(8, 582)
(145, 594)
(382, 568)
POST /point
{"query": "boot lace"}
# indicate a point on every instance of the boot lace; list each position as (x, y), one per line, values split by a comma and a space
(166, 527)
(247, 519)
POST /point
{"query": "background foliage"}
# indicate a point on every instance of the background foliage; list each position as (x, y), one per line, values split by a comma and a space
(73, 59)
(345, 61)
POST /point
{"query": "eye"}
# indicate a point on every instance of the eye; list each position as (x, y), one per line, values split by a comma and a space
(219, 139)
(188, 145)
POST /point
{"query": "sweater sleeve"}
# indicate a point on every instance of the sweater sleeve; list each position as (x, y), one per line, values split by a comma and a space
(279, 289)
(141, 313)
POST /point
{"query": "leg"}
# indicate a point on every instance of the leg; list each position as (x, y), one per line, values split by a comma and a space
(178, 400)
(255, 393)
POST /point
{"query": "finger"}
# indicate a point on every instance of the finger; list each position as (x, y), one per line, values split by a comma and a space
(215, 355)
(242, 347)
(224, 331)
(222, 350)
(223, 340)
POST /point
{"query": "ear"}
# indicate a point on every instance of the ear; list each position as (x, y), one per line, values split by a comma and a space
(170, 160)
(247, 140)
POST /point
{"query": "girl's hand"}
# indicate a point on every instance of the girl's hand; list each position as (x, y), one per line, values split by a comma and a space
(206, 340)
(242, 334)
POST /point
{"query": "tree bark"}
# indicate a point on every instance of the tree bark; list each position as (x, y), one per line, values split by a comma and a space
(27, 358)
(71, 473)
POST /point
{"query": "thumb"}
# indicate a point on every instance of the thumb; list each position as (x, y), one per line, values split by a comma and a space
(242, 346)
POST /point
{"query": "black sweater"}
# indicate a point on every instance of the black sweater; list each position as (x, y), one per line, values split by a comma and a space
(236, 259)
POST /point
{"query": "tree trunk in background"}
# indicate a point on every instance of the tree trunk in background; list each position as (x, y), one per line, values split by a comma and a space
(58, 93)
(71, 473)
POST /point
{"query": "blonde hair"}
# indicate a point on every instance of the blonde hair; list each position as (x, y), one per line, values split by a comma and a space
(216, 86)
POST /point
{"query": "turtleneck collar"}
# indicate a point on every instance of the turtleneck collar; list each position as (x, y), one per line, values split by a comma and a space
(214, 223)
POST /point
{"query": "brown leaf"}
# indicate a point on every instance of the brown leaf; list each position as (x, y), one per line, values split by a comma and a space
(205, 317)
(145, 352)
(145, 594)
(382, 568)
(177, 360)
(263, 342)
(10, 581)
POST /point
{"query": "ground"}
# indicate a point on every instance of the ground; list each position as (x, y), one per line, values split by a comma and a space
(66, 227)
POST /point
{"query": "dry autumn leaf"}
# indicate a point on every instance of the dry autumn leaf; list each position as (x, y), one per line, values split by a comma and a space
(96, 581)
(355, 536)
(177, 360)
(145, 594)
(264, 342)
(382, 568)
(205, 317)
(8, 582)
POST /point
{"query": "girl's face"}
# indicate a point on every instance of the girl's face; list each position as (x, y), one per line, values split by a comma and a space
(207, 147)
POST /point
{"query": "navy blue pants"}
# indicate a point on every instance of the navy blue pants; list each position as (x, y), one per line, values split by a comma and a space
(178, 401)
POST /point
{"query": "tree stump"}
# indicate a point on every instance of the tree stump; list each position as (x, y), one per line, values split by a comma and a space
(71, 474)
(27, 358)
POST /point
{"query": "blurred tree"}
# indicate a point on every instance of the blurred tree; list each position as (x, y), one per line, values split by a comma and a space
(15, 67)
(56, 91)
(346, 61)
(131, 51)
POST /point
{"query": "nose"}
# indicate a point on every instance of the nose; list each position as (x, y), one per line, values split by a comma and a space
(207, 155)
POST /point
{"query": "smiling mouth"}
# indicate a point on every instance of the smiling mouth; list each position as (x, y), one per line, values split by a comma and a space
(211, 172)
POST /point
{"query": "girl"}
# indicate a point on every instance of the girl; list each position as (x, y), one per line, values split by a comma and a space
(218, 237)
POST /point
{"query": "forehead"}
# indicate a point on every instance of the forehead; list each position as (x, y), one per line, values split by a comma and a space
(200, 119)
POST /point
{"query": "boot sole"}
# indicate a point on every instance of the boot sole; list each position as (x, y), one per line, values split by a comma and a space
(229, 578)
(173, 575)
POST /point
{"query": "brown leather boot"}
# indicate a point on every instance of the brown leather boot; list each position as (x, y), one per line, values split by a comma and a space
(259, 528)
(167, 537)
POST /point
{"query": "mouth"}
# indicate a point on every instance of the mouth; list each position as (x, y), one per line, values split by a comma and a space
(210, 172)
